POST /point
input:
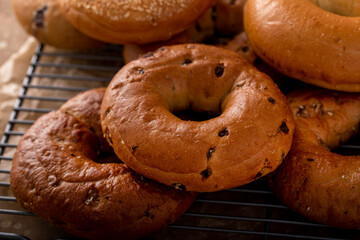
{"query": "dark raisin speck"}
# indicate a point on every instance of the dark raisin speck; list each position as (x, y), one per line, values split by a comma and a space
(283, 128)
(206, 173)
(186, 62)
(147, 214)
(39, 17)
(219, 70)
(245, 49)
(224, 132)
(210, 152)
(133, 149)
(271, 100)
(310, 159)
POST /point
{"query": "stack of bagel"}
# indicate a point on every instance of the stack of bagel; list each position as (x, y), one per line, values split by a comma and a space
(193, 111)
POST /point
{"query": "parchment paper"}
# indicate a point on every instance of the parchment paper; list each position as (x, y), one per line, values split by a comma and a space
(12, 74)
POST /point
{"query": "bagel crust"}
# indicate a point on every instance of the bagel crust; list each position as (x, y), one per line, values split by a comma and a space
(305, 42)
(55, 176)
(248, 139)
(44, 20)
(313, 181)
(130, 21)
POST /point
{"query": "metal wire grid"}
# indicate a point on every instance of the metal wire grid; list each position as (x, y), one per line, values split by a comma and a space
(248, 212)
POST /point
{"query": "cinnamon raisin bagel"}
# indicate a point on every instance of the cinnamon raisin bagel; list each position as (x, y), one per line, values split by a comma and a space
(306, 42)
(313, 181)
(61, 173)
(229, 17)
(44, 20)
(247, 138)
(240, 44)
(137, 22)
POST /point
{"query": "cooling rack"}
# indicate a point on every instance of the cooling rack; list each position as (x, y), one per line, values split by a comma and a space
(248, 212)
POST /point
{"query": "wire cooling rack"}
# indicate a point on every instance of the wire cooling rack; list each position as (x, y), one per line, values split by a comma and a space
(249, 212)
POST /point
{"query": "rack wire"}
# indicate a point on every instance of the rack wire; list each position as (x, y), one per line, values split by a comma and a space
(248, 212)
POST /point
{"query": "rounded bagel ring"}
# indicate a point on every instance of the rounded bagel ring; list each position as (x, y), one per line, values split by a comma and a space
(137, 22)
(44, 20)
(313, 181)
(55, 176)
(247, 140)
(305, 42)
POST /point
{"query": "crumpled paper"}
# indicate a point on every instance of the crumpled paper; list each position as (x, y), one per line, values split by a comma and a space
(12, 74)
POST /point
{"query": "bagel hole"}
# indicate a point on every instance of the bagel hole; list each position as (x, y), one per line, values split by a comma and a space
(104, 157)
(348, 146)
(342, 8)
(190, 115)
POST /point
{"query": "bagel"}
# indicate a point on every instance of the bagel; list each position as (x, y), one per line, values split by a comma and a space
(136, 22)
(44, 20)
(229, 17)
(59, 174)
(200, 31)
(245, 133)
(306, 42)
(240, 44)
(318, 184)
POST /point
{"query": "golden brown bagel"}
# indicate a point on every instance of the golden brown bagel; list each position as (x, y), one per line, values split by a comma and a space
(240, 44)
(132, 21)
(55, 176)
(312, 181)
(248, 139)
(198, 32)
(134, 51)
(44, 20)
(303, 41)
(229, 17)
